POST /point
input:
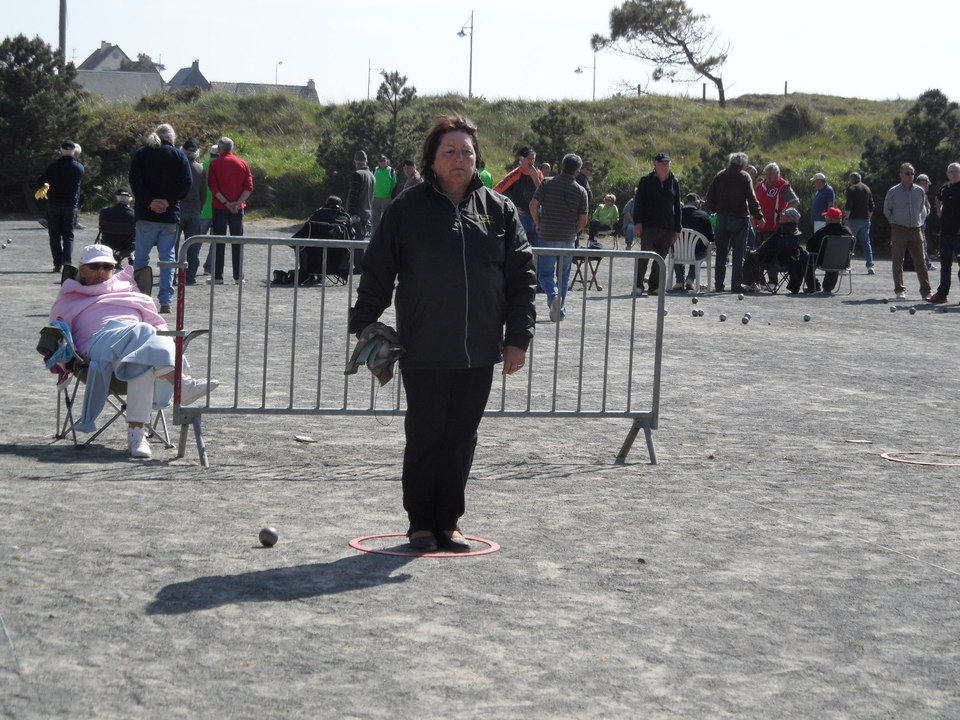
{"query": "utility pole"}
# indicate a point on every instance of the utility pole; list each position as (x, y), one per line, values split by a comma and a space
(63, 35)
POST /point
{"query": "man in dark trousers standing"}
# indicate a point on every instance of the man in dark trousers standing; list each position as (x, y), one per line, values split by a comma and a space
(63, 175)
(732, 197)
(949, 200)
(360, 195)
(656, 218)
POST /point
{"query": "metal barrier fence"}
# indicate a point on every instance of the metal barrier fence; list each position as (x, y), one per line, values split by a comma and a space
(281, 349)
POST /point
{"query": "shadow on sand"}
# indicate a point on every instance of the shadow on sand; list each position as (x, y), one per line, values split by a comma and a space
(279, 585)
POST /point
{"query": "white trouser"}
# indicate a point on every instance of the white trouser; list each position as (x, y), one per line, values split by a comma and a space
(140, 394)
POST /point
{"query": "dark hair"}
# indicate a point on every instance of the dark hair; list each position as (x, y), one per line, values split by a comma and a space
(333, 201)
(441, 126)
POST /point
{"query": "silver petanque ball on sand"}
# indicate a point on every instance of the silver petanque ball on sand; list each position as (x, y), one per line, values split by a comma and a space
(269, 536)
(694, 313)
(740, 296)
(694, 300)
(913, 311)
(806, 318)
(893, 308)
(745, 319)
(723, 317)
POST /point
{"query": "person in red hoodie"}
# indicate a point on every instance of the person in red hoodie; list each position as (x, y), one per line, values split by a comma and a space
(774, 195)
(231, 183)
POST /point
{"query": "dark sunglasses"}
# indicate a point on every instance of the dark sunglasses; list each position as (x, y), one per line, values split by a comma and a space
(101, 266)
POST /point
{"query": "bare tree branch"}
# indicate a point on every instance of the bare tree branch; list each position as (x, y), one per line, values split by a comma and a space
(666, 33)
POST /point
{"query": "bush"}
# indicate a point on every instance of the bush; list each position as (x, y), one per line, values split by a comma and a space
(793, 120)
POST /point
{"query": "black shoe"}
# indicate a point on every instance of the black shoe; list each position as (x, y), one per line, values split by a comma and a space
(164, 309)
(425, 544)
(454, 544)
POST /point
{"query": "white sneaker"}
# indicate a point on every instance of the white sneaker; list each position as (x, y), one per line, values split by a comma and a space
(901, 296)
(870, 271)
(137, 442)
(192, 390)
(678, 287)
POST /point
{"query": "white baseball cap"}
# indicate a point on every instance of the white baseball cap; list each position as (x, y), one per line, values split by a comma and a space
(97, 253)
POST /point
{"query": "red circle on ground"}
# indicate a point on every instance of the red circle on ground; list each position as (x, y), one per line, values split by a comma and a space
(357, 544)
(892, 457)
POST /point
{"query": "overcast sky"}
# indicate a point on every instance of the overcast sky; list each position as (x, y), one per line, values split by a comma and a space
(521, 48)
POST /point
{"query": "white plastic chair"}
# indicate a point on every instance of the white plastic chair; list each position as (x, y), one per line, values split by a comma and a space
(683, 252)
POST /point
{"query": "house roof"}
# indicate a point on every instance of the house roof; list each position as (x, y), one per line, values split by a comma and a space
(105, 54)
(117, 85)
(189, 77)
(305, 92)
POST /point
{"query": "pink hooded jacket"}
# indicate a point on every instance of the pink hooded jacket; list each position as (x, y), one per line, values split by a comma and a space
(87, 308)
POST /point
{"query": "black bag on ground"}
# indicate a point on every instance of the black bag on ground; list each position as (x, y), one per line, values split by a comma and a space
(327, 223)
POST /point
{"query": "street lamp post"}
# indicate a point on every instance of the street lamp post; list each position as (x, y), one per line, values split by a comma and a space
(468, 25)
(580, 69)
(369, 71)
(276, 72)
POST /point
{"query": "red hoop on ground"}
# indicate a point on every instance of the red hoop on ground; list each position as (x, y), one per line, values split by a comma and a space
(357, 544)
(894, 457)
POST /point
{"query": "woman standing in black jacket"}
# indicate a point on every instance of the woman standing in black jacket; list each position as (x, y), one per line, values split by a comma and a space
(465, 289)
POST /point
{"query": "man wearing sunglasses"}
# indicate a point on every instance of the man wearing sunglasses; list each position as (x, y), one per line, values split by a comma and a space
(114, 326)
(905, 208)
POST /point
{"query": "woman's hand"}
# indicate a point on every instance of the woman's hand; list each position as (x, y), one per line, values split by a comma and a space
(513, 359)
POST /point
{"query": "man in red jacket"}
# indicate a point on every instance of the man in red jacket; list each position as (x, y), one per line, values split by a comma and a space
(231, 183)
(774, 195)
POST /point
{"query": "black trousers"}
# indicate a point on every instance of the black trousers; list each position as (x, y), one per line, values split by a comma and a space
(60, 219)
(444, 409)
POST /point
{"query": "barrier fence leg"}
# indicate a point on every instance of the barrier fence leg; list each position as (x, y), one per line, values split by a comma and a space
(194, 422)
(648, 431)
(632, 435)
(182, 444)
(201, 447)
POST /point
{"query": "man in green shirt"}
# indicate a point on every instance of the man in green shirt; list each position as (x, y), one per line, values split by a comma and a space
(384, 183)
(485, 177)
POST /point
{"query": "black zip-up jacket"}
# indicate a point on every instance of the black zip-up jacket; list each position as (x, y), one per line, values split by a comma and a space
(64, 175)
(657, 204)
(462, 273)
(950, 211)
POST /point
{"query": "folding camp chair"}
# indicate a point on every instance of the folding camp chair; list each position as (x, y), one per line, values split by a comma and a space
(778, 270)
(118, 235)
(585, 272)
(834, 256)
(610, 233)
(73, 374)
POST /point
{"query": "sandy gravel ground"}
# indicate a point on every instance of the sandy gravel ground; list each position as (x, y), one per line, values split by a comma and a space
(773, 565)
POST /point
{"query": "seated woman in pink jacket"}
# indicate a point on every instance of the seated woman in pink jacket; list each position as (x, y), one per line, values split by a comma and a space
(115, 326)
